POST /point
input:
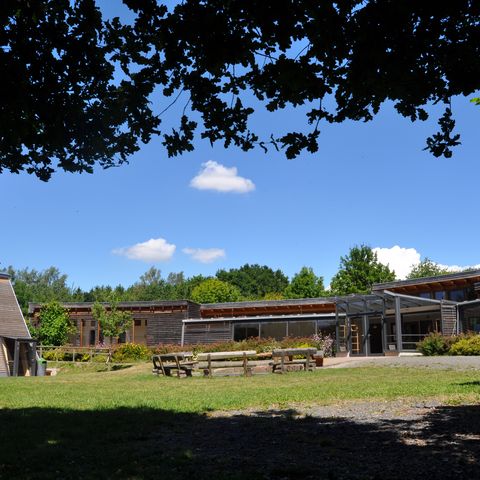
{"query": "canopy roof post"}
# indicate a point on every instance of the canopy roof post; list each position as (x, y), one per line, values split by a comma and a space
(398, 323)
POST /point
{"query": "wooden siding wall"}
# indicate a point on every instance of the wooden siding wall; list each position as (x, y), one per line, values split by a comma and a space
(449, 319)
(194, 310)
(162, 326)
(207, 332)
(165, 327)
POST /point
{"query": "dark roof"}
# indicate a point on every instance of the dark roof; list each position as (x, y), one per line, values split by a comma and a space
(4, 275)
(12, 323)
(426, 280)
(267, 303)
(162, 303)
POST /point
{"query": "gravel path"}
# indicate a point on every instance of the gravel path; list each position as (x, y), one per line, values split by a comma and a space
(447, 362)
(397, 439)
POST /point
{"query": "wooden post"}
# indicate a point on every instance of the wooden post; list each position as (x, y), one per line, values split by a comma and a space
(245, 364)
(81, 333)
(73, 356)
(209, 359)
(16, 358)
(161, 365)
(178, 365)
(133, 331)
(282, 356)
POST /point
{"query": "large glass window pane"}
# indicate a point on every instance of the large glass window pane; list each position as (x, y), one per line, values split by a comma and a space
(301, 329)
(457, 295)
(326, 327)
(242, 331)
(439, 295)
(276, 330)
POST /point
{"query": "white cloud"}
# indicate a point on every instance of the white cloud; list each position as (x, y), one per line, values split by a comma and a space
(152, 251)
(205, 255)
(402, 259)
(398, 258)
(217, 177)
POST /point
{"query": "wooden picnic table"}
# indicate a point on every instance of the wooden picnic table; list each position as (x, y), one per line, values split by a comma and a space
(285, 356)
(165, 363)
(212, 360)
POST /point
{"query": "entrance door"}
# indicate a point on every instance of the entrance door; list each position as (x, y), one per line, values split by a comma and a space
(375, 338)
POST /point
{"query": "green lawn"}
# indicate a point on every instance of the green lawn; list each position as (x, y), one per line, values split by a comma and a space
(137, 387)
(133, 425)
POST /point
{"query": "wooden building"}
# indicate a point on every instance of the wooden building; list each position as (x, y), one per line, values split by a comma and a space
(265, 319)
(153, 322)
(390, 320)
(17, 348)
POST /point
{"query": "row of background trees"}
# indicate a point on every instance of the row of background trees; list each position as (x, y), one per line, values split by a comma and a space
(358, 271)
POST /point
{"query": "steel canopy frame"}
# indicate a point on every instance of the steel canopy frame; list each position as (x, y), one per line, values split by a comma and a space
(376, 305)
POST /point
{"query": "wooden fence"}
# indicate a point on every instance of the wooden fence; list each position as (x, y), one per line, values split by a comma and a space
(75, 354)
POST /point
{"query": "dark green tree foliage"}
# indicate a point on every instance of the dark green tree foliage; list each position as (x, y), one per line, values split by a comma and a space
(113, 321)
(54, 326)
(426, 268)
(39, 286)
(215, 291)
(254, 281)
(305, 284)
(63, 105)
(342, 60)
(358, 271)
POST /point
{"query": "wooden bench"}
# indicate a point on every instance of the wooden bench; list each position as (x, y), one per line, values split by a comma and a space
(216, 360)
(283, 357)
(181, 362)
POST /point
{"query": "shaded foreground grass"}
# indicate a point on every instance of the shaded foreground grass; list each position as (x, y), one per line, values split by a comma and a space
(131, 425)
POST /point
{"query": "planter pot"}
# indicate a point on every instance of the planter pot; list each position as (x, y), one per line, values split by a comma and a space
(318, 360)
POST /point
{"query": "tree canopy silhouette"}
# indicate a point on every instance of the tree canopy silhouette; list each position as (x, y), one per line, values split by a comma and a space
(77, 88)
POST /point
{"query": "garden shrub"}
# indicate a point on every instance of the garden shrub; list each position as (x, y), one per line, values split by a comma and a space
(131, 352)
(434, 344)
(467, 345)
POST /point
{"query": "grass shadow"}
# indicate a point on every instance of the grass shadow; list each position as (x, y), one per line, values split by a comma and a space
(142, 443)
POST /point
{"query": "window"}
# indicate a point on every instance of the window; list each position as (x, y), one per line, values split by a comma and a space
(242, 331)
(92, 337)
(276, 330)
(301, 329)
(439, 295)
(327, 327)
(93, 323)
(425, 295)
(138, 323)
(457, 295)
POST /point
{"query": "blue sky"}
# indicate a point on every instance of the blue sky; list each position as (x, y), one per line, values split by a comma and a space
(369, 183)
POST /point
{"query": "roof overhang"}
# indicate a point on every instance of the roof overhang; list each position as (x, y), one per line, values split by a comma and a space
(260, 318)
(447, 282)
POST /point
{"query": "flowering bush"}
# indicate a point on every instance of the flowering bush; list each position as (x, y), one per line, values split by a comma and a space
(326, 343)
(468, 345)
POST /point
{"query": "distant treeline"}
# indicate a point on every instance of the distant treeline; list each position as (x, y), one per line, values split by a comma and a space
(357, 272)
